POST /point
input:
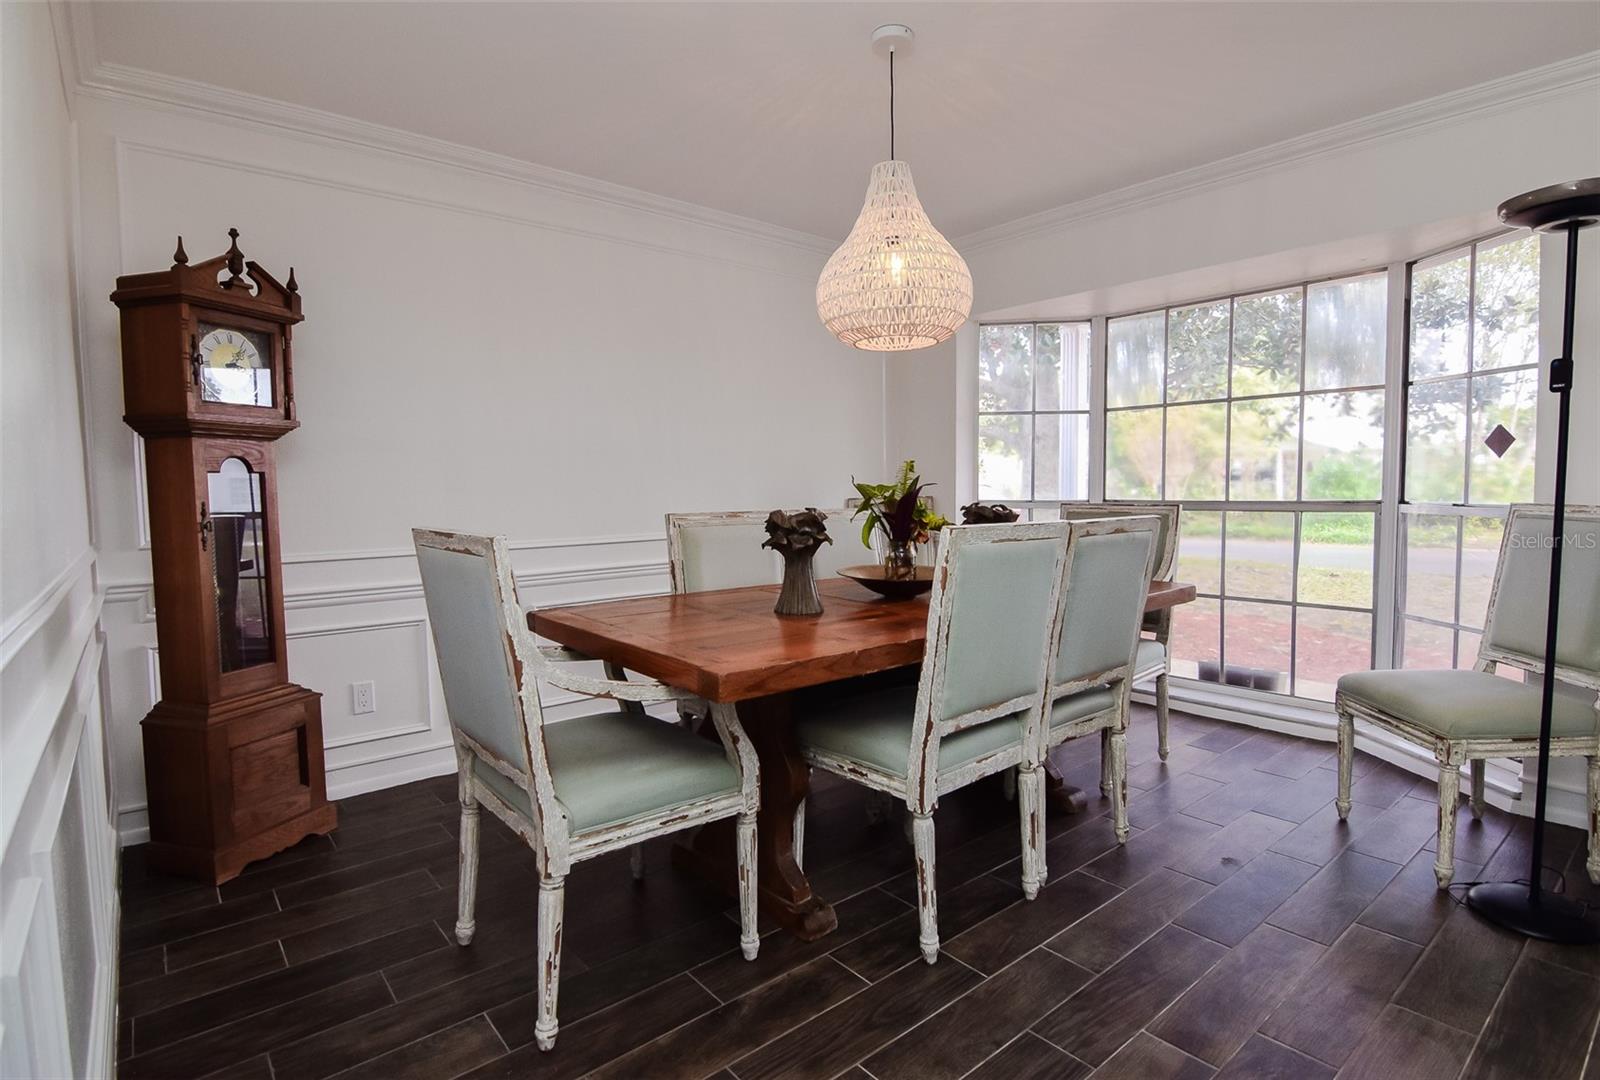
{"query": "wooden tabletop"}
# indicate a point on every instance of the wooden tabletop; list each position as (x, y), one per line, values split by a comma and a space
(727, 645)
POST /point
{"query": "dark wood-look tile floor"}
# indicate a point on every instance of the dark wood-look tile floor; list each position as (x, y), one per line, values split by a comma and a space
(1242, 932)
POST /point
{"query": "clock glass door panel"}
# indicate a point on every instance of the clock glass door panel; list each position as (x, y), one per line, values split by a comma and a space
(236, 516)
(235, 365)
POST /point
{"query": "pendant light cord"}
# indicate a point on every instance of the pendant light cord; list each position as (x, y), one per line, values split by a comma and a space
(891, 104)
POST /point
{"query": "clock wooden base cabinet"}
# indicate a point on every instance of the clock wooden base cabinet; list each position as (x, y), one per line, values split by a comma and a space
(233, 750)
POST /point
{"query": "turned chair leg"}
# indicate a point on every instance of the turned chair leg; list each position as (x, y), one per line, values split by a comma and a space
(927, 901)
(1477, 787)
(1444, 863)
(1030, 806)
(1118, 782)
(552, 891)
(1593, 863)
(1162, 712)
(467, 890)
(1105, 762)
(1347, 763)
(749, 935)
(1008, 784)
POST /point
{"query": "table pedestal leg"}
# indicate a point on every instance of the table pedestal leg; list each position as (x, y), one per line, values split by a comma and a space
(785, 892)
(1061, 795)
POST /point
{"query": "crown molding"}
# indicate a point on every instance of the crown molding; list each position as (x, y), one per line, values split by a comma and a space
(1580, 73)
(95, 78)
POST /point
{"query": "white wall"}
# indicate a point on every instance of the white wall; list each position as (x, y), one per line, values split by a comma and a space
(478, 353)
(1361, 195)
(57, 847)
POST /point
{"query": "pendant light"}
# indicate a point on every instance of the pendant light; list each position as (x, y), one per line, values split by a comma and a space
(895, 283)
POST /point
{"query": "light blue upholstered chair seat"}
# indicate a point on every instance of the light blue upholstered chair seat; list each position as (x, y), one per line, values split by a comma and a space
(1002, 679)
(615, 766)
(1466, 704)
(579, 788)
(1469, 717)
(874, 728)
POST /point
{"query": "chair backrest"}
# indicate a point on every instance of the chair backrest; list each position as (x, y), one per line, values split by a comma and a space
(991, 622)
(723, 550)
(487, 662)
(1518, 604)
(1167, 512)
(1109, 562)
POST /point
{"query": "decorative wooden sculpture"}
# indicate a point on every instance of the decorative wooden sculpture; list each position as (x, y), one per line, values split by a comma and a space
(797, 537)
(987, 514)
(233, 750)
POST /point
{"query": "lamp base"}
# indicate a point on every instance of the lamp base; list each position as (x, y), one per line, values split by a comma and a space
(1551, 917)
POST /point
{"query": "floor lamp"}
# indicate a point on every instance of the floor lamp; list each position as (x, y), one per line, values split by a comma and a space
(1529, 908)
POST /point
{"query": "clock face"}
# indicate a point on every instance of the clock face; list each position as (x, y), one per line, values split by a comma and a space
(235, 365)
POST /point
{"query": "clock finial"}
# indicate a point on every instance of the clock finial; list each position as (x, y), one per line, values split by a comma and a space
(180, 257)
(235, 262)
(293, 285)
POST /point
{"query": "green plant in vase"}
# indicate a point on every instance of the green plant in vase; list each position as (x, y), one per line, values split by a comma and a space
(902, 515)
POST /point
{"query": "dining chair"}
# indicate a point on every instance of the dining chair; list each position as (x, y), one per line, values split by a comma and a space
(572, 789)
(995, 661)
(1154, 658)
(1470, 716)
(722, 550)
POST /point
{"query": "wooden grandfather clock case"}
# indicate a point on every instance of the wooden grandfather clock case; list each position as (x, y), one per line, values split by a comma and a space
(233, 750)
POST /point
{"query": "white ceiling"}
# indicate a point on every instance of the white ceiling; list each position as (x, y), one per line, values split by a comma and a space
(776, 111)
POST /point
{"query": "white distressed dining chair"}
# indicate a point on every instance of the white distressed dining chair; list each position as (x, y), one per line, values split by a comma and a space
(1470, 716)
(992, 663)
(574, 789)
(722, 550)
(1154, 658)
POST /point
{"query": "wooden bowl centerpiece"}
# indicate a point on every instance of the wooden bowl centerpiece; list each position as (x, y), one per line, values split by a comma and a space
(891, 584)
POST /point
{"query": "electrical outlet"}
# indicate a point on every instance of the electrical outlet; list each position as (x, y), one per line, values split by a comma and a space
(362, 698)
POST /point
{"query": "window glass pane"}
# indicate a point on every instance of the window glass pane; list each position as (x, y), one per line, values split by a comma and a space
(1467, 655)
(1505, 320)
(1425, 645)
(1329, 644)
(1343, 451)
(1005, 368)
(1480, 552)
(1196, 436)
(1133, 454)
(1257, 645)
(1197, 352)
(1336, 559)
(1265, 449)
(1200, 550)
(1266, 344)
(1436, 441)
(1134, 358)
(1061, 366)
(1430, 566)
(1005, 456)
(1260, 552)
(1439, 317)
(1345, 327)
(1061, 456)
(1511, 399)
(1196, 638)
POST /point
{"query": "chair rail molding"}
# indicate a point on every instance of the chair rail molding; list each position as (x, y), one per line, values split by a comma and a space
(1579, 74)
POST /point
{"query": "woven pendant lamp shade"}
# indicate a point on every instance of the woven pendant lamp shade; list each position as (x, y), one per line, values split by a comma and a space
(895, 283)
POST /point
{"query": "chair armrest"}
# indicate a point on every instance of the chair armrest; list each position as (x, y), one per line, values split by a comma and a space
(562, 654)
(616, 689)
(741, 754)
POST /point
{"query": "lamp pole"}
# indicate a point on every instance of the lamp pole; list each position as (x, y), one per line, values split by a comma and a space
(1531, 909)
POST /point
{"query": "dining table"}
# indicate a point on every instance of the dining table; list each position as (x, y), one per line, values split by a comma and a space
(728, 646)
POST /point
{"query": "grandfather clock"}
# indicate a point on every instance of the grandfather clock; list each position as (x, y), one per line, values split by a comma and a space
(233, 750)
